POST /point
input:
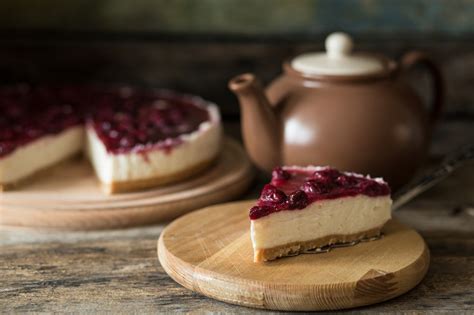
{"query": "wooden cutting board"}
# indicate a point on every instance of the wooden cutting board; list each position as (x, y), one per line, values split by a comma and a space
(69, 197)
(209, 251)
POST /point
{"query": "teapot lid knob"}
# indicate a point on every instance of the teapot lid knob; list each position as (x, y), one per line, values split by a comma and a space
(338, 60)
(338, 45)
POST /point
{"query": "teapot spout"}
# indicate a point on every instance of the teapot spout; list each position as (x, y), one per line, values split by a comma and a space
(260, 127)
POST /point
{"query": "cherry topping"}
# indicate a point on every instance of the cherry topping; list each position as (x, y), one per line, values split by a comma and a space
(346, 181)
(142, 120)
(6, 134)
(27, 113)
(127, 142)
(6, 147)
(327, 175)
(297, 200)
(314, 187)
(372, 188)
(260, 211)
(299, 187)
(124, 119)
(271, 194)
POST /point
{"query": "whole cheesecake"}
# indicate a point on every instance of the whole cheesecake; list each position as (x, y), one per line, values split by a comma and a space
(134, 138)
(306, 208)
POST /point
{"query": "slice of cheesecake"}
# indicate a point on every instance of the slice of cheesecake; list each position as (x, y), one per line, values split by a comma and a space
(305, 208)
(140, 139)
(136, 138)
(38, 128)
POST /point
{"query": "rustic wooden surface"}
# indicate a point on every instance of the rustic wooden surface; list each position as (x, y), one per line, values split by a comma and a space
(117, 271)
(69, 196)
(209, 251)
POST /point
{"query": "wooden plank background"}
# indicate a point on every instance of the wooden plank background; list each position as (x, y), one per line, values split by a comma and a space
(262, 17)
(203, 65)
(198, 45)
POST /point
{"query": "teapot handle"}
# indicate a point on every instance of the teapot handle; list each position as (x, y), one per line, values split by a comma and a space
(415, 58)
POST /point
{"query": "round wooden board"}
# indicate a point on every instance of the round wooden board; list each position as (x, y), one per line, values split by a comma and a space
(69, 196)
(209, 251)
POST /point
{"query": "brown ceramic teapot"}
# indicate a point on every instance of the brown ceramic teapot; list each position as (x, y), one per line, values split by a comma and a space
(351, 111)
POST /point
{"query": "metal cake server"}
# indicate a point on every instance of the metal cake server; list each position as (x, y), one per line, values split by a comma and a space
(433, 176)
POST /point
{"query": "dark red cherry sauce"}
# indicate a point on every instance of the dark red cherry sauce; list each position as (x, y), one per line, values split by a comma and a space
(143, 120)
(28, 113)
(293, 189)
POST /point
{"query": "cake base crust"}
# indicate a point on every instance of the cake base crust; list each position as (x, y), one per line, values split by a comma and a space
(296, 248)
(126, 186)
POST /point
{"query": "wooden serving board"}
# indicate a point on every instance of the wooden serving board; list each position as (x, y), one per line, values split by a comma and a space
(69, 196)
(209, 251)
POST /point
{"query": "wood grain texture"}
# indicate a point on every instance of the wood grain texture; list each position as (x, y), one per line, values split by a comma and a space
(117, 272)
(210, 251)
(69, 196)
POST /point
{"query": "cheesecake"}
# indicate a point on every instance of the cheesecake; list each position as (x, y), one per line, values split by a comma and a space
(143, 139)
(38, 128)
(306, 209)
(134, 138)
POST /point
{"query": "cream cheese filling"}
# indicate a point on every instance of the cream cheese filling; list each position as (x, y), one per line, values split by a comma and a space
(348, 215)
(40, 153)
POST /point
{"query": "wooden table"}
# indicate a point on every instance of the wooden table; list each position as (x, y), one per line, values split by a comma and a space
(117, 271)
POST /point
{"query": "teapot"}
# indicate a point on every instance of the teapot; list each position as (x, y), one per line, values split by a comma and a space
(352, 111)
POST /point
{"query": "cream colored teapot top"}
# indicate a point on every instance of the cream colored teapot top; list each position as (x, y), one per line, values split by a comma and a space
(338, 60)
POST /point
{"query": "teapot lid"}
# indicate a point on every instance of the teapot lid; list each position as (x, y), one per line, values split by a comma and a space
(337, 60)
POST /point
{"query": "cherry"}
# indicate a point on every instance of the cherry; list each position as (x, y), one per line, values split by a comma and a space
(314, 187)
(259, 211)
(13, 111)
(66, 109)
(6, 147)
(127, 142)
(141, 136)
(105, 125)
(33, 132)
(176, 116)
(113, 134)
(271, 194)
(326, 174)
(6, 134)
(346, 181)
(297, 200)
(372, 188)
